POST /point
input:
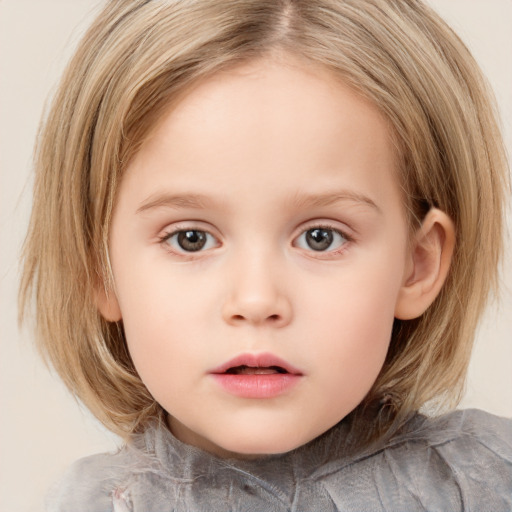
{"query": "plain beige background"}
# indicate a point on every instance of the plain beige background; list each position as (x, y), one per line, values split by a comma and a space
(42, 428)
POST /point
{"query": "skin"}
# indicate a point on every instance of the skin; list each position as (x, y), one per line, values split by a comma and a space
(253, 158)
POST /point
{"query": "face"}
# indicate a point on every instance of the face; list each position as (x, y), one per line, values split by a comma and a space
(259, 246)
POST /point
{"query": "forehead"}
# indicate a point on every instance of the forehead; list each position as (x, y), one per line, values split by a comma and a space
(262, 124)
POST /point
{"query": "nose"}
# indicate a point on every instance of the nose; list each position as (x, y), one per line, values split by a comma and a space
(257, 295)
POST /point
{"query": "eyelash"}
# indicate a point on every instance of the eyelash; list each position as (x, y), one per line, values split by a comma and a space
(165, 238)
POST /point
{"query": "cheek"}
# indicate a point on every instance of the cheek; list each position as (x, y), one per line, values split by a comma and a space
(162, 355)
(351, 360)
(360, 331)
(166, 327)
(350, 321)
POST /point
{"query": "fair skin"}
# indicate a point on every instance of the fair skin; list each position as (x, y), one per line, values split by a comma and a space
(263, 220)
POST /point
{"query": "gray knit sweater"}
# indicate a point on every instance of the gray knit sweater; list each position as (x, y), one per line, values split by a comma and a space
(461, 461)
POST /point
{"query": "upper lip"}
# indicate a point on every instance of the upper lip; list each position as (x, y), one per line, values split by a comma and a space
(264, 360)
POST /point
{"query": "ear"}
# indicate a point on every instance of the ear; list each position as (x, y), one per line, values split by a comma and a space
(107, 304)
(430, 257)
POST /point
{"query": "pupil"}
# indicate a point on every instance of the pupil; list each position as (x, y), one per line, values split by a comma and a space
(319, 239)
(191, 240)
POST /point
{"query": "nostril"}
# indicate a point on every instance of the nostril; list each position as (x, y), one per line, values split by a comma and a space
(251, 310)
(271, 318)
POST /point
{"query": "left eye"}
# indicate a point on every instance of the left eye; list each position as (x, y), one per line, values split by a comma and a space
(190, 240)
(320, 239)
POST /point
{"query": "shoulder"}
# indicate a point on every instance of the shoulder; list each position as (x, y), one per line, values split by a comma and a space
(470, 434)
(107, 482)
(471, 422)
(459, 462)
(466, 455)
(91, 484)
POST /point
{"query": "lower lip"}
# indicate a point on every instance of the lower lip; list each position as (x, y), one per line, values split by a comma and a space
(257, 386)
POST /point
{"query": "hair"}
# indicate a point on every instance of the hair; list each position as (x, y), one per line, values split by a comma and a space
(139, 56)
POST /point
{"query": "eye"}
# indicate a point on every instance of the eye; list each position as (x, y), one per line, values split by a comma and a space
(190, 240)
(321, 239)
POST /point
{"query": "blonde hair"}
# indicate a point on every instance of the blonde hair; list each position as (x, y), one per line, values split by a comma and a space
(140, 55)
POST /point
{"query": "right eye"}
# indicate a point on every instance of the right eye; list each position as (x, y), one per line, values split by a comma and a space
(190, 240)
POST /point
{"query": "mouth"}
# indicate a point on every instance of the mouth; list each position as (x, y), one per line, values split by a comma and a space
(257, 376)
(256, 364)
(255, 370)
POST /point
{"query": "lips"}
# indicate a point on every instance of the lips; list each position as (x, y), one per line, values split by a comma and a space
(256, 376)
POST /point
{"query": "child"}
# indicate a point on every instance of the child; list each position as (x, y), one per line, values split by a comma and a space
(263, 233)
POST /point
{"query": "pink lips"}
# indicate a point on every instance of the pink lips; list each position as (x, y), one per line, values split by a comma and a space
(256, 376)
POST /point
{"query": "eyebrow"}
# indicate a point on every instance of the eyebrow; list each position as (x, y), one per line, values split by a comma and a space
(329, 199)
(200, 201)
(176, 201)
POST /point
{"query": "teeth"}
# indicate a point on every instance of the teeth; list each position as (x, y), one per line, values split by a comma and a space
(251, 370)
